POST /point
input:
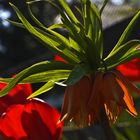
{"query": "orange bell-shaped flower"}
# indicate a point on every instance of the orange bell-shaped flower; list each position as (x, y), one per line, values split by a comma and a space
(111, 91)
(76, 98)
(116, 94)
(84, 101)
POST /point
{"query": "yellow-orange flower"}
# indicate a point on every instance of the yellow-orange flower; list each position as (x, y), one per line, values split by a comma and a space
(76, 98)
(110, 91)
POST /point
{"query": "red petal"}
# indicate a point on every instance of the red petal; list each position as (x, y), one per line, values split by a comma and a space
(40, 121)
(35, 120)
(10, 123)
(59, 58)
(131, 70)
(17, 95)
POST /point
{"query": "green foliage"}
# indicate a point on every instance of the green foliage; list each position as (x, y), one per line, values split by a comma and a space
(124, 53)
(82, 48)
(31, 74)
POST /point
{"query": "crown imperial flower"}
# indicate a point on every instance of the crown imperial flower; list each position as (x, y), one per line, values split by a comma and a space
(110, 90)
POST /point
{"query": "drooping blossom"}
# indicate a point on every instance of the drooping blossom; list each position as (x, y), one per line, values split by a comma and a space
(75, 102)
(131, 70)
(84, 100)
(23, 119)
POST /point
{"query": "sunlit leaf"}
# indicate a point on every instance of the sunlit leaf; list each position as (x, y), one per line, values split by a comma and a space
(67, 9)
(52, 42)
(126, 32)
(46, 87)
(124, 53)
(47, 76)
(36, 68)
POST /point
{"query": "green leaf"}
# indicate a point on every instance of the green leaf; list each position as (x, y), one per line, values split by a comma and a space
(47, 76)
(5, 80)
(61, 38)
(124, 53)
(52, 41)
(46, 87)
(93, 29)
(34, 69)
(126, 32)
(56, 26)
(77, 73)
(68, 11)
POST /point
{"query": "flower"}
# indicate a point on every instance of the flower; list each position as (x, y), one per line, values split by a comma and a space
(31, 119)
(109, 90)
(17, 95)
(75, 102)
(131, 70)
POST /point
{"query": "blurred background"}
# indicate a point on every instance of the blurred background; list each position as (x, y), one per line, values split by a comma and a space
(18, 50)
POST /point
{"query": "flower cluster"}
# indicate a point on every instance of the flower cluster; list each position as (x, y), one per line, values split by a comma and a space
(84, 101)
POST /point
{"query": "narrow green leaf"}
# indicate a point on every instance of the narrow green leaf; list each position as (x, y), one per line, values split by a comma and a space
(126, 32)
(5, 80)
(47, 76)
(56, 26)
(97, 26)
(61, 38)
(46, 87)
(68, 11)
(124, 53)
(53, 43)
(93, 28)
(134, 54)
(36, 68)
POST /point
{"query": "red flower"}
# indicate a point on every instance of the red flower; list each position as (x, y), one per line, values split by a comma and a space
(17, 95)
(131, 70)
(23, 119)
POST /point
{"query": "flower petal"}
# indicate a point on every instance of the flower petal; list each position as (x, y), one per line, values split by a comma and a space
(131, 70)
(126, 82)
(10, 123)
(111, 89)
(39, 121)
(75, 101)
(17, 95)
(128, 99)
(33, 121)
(95, 100)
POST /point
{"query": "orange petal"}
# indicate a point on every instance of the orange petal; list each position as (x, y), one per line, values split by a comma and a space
(96, 89)
(107, 91)
(111, 89)
(126, 82)
(76, 98)
(95, 102)
(127, 99)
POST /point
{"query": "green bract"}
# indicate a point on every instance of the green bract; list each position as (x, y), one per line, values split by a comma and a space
(82, 49)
